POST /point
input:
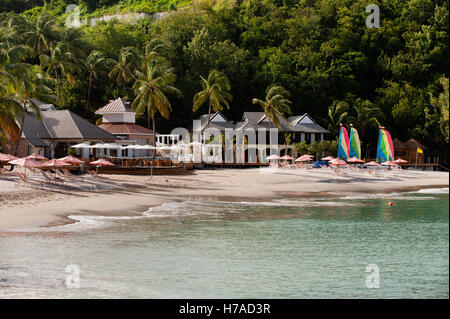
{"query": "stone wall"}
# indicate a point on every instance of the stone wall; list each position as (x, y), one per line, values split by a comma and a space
(128, 17)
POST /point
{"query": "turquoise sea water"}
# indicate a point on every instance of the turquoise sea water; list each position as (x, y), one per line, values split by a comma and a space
(293, 248)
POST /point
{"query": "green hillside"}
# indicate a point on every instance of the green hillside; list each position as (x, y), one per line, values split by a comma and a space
(334, 67)
(92, 7)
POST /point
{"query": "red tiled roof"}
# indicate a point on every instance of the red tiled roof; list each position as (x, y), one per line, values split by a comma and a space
(124, 128)
(116, 106)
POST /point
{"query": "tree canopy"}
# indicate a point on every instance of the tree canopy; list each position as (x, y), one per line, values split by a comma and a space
(320, 51)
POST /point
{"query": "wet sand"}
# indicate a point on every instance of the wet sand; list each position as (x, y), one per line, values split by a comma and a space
(23, 206)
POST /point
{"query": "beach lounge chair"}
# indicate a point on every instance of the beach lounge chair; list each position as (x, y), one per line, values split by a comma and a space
(93, 173)
(65, 174)
(51, 179)
(336, 170)
(23, 178)
(59, 173)
(4, 174)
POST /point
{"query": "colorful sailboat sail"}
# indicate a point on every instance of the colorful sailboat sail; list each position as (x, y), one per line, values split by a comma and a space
(385, 149)
(343, 145)
(355, 143)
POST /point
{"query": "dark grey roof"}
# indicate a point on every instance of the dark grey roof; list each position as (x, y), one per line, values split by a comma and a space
(219, 125)
(42, 105)
(61, 124)
(257, 120)
(253, 117)
(311, 128)
(33, 128)
(37, 142)
(65, 125)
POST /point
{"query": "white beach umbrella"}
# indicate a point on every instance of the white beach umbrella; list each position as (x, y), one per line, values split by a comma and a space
(82, 145)
(130, 147)
(113, 146)
(146, 147)
(177, 147)
(99, 145)
(165, 148)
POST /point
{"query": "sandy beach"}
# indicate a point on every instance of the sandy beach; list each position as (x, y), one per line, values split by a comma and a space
(23, 206)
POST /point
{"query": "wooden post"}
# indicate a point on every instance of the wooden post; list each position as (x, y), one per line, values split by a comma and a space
(417, 154)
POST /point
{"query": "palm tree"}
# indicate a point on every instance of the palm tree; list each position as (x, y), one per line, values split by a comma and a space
(151, 88)
(42, 34)
(11, 79)
(73, 38)
(124, 68)
(154, 50)
(11, 54)
(337, 112)
(216, 90)
(365, 115)
(9, 113)
(58, 63)
(17, 99)
(12, 28)
(95, 64)
(275, 105)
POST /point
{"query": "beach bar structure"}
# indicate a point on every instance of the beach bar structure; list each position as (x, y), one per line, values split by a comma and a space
(301, 128)
(55, 132)
(119, 120)
(408, 150)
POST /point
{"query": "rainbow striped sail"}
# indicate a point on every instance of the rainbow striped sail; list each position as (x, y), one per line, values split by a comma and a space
(385, 149)
(343, 145)
(355, 143)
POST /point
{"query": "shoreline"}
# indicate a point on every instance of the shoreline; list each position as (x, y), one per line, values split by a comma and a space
(130, 195)
(65, 219)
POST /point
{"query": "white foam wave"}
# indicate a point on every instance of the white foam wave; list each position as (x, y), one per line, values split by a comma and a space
(85, 222)
(192, 208)
(443, 190)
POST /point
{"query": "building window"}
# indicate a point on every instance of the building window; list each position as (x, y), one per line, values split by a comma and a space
(308, 138)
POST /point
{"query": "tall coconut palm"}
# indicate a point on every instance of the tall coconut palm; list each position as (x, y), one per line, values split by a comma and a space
(10, 111)
(12, 28)
(365, 115)
(12, 70)
(337, 112)
(11, 56)
(124, 68)
(95, 64)
(15, 102)
(42, 34)
(73, 38)
(151, 88)
(58, 63)
(33, 85)
(216, 91)
(276, 105)
(154, 50)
